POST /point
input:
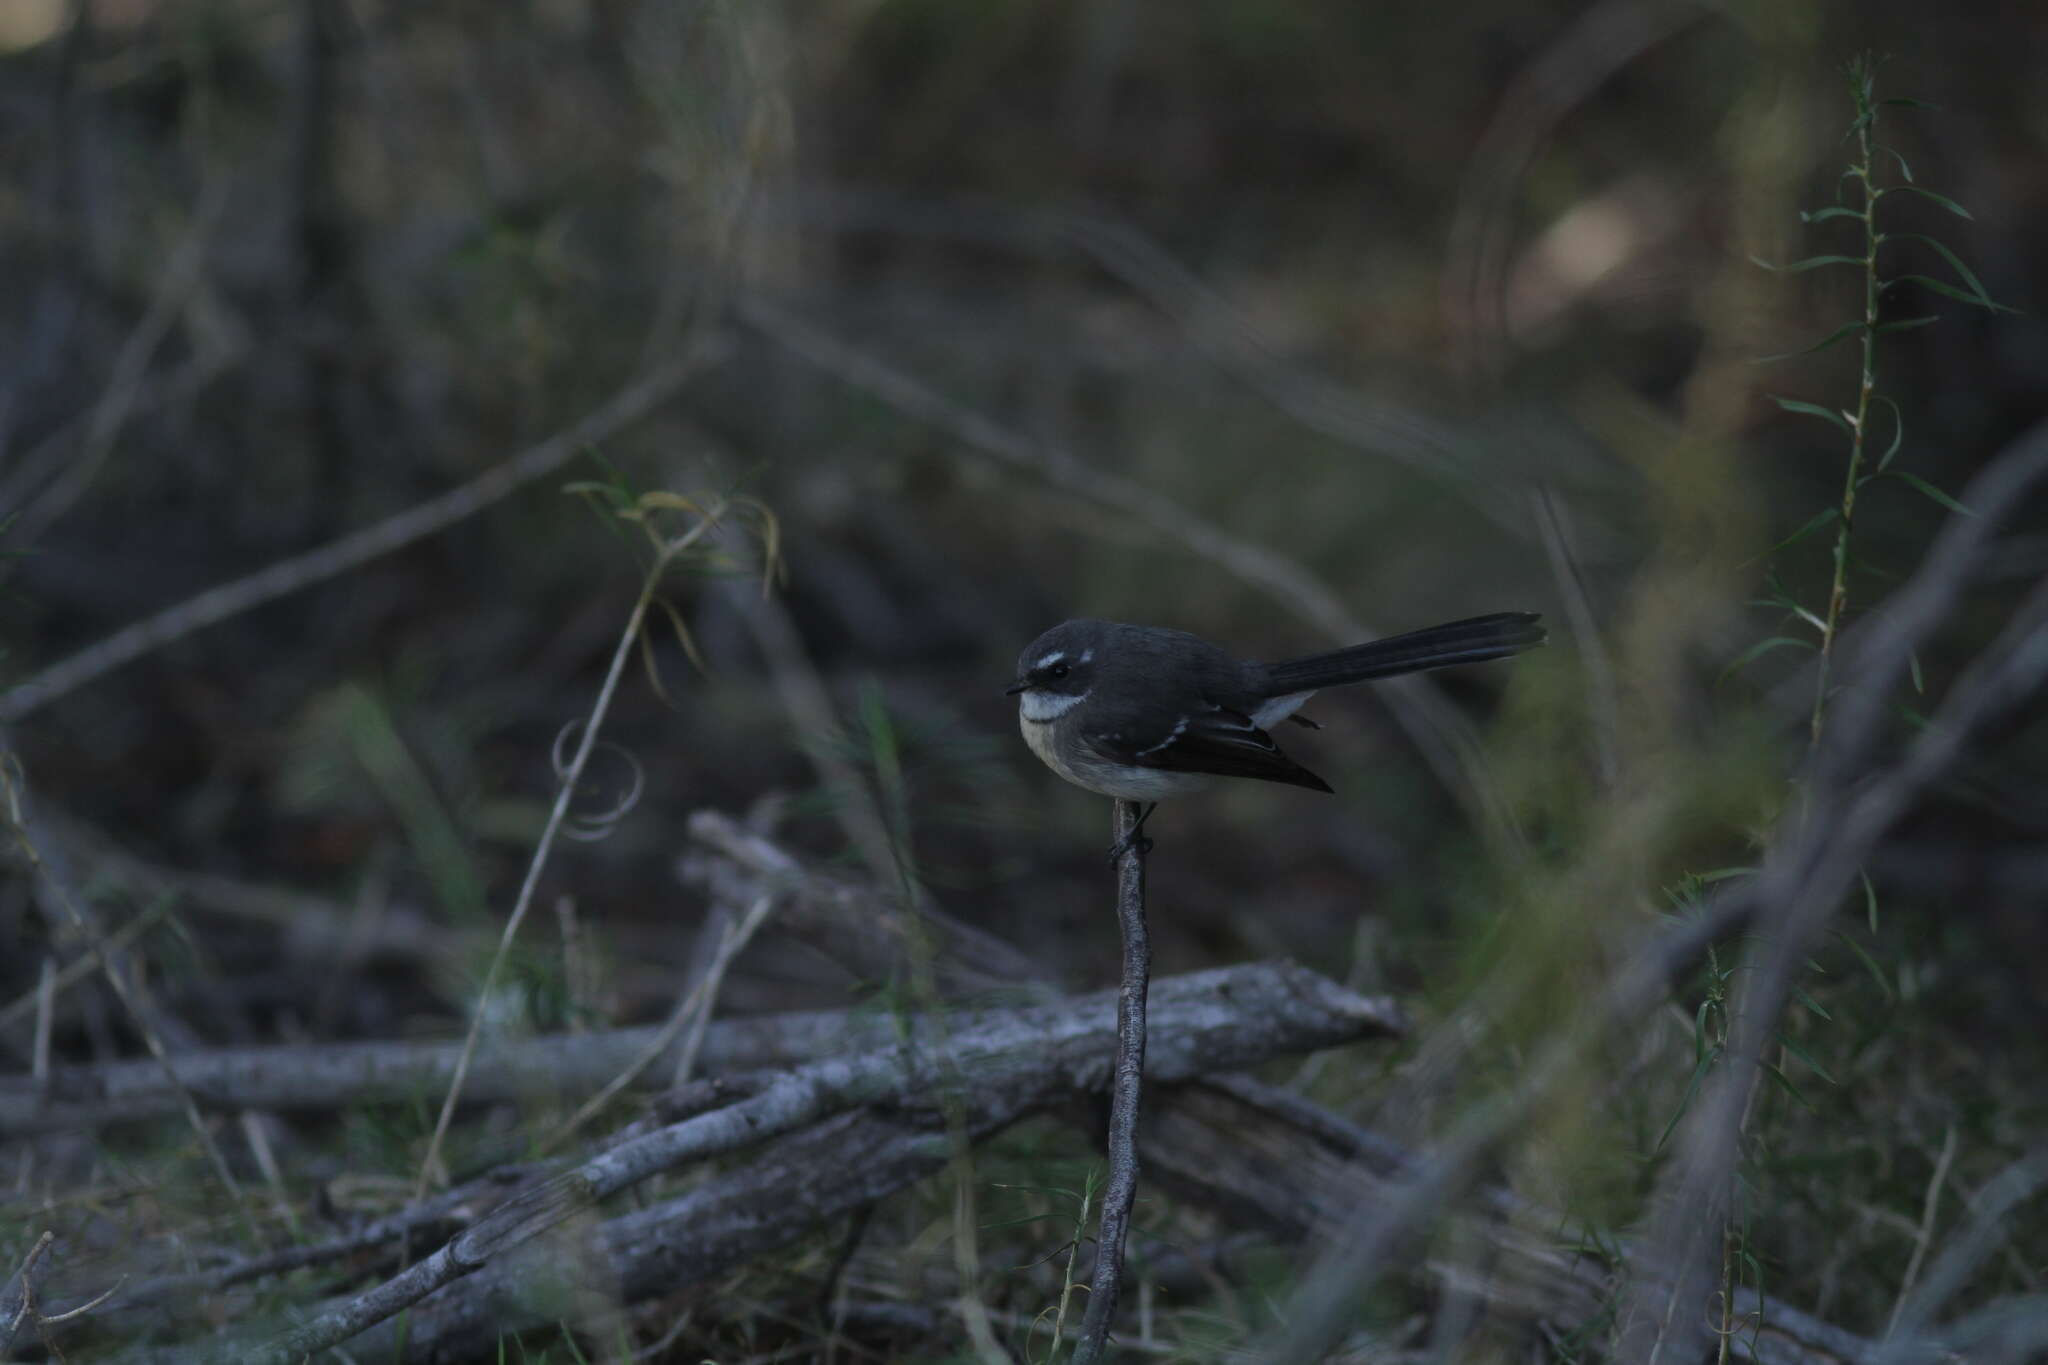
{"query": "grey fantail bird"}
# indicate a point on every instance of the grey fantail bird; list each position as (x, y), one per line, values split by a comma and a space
(1141, 713)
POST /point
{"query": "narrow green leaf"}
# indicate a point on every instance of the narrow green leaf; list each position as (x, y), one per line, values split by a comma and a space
(1904, 324)
(1809, 263)
(1691, 1088)
(1913, 666)
(1951, 205)
(1723, 874)
(1847, 329)
(1956, 264)
(1947, 290)
(1920, 484)
(1786, 1081)
(1822, 215)
(1812, 1005)
(1806, 1057)
(687, 641)
(653, 672)
(1061, 1190)
(1898, 432)
(1904, 103)
(1019, 1222)
(1904, 169)
(1869, 965)
(591, 488)
(1815, 409)
(1820, 519)
(1761, 648)
(1869, 899)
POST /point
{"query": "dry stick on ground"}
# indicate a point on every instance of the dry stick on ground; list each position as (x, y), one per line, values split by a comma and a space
(344, 1075)
(351, 551)
(1255, 1156)
(1417, 704)
(440, 1216)
(1122, 1188)
(845, 918)
(1212, 1020)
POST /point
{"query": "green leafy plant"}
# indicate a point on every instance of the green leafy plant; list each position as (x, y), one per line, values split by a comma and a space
(1876, 172)
(1869, 173)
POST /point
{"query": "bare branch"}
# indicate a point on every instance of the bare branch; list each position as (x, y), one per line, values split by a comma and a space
(1015, 1060)
(1122, 1189)
(357, 548)
(338, 1075)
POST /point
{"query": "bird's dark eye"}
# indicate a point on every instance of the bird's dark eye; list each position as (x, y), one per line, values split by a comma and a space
(1057, 671)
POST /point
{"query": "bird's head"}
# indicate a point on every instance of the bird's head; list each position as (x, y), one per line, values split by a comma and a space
(1056, 670)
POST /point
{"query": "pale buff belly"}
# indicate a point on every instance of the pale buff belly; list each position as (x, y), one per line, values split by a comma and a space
(1125, 783)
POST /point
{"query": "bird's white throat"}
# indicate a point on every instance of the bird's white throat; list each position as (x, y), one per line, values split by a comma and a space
(1041, 707)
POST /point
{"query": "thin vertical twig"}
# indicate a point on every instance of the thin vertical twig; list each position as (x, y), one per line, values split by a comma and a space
(1838, 591)
(1925, 1235)
(572, 778)
(1127, 1085)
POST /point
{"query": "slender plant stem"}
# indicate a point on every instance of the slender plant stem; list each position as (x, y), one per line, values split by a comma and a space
(1122, 1188)
(1838, 592)
(556, 816)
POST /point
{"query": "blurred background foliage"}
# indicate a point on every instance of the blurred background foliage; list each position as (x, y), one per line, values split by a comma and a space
(1451, 308)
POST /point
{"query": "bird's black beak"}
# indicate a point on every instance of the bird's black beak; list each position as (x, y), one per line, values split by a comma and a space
(1016, 688)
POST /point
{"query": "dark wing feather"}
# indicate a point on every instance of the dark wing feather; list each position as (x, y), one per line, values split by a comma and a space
(1219, 741)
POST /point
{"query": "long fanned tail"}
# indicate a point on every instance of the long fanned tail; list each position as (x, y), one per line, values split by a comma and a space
(1460, 642)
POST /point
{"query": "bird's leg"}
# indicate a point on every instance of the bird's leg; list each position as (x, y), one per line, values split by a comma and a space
(1136, 838)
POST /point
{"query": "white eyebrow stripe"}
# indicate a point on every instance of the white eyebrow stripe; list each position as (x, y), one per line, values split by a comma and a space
(1049, 660)
(1087, 655)
(1180, 727)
